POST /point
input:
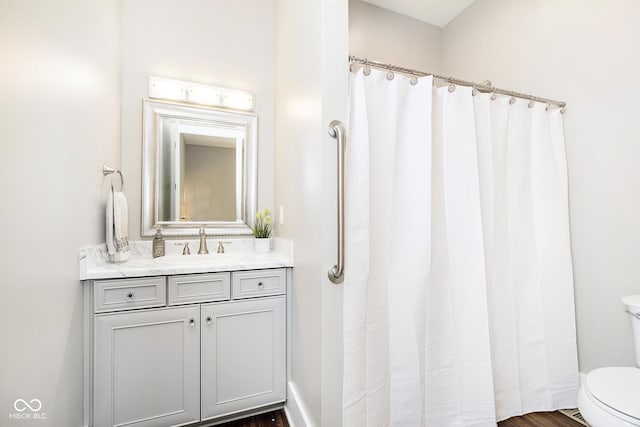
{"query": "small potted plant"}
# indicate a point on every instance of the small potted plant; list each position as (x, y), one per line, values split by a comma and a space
(262, 231)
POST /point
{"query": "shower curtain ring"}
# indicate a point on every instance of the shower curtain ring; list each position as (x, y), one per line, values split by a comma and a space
(414, 79)
(452, 86)
(367, 69)
(390, 74)
(474, 92)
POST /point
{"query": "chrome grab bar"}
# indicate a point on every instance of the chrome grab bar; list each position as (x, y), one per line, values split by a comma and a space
(337, 131)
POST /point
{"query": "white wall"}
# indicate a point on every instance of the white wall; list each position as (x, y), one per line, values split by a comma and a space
(218, 42)
(386, 36)
(584, 53)
(335, 100)
(60, 109)
(311, 90)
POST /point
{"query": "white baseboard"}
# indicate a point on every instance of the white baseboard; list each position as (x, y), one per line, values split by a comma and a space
(295, 410)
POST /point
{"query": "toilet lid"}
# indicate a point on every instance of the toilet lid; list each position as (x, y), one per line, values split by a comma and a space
(618, 388)
(632, 302)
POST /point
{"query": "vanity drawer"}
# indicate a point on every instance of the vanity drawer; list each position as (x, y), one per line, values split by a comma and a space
(124, 294)
(199, 288)
(247, 284)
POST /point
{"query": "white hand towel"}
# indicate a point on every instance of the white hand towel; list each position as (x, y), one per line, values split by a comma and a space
(117, 227)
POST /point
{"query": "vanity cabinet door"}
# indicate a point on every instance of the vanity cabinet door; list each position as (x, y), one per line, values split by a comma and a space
(147, 368)
(243, 355)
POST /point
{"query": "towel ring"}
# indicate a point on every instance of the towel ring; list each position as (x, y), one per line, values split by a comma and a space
(106, 170)
(121, 180)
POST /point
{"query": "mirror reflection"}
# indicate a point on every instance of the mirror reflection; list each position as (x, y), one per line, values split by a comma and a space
(199, 168)
(200, 172)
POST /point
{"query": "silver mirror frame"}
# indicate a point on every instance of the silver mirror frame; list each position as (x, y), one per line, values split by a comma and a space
(152, 112)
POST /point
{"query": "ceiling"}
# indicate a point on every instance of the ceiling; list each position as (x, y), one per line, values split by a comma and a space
(436, 12)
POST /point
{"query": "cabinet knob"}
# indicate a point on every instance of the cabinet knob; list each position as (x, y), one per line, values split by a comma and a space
(209, 319)
(260, 285)
(192, 322)
(130, 296)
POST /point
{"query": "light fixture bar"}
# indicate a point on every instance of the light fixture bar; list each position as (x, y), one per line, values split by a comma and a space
(201, 94)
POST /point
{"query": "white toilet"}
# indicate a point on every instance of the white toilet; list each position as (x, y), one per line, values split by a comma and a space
(610, 397)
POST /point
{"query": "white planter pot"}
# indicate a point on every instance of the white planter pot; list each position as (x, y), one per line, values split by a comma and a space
(262, 246)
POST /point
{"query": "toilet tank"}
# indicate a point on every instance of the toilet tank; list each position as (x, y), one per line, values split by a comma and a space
(632, 304)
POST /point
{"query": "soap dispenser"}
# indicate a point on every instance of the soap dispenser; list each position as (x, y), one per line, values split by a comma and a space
(158, 243)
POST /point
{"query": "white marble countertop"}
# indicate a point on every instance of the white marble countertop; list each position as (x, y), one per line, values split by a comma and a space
(239, 255)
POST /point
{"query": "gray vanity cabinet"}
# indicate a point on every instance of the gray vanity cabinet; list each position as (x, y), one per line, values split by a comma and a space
(146, 370)
(177, 350)
(243, 355)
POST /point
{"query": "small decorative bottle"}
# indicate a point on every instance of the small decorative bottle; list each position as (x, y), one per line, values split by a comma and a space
(158, 244)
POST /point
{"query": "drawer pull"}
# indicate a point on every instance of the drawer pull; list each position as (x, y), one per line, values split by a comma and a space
(192, 322)
(130, 296)
(209, 319)
(260, 285)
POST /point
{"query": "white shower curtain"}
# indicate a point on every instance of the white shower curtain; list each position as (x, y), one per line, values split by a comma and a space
(458, 297)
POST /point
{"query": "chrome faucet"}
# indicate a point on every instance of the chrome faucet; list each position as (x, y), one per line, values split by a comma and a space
(221, 246)
(185, 250)
(203, 242)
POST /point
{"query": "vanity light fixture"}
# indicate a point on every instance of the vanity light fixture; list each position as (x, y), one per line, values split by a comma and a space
(203, 94)
(197, 93)
(237, 99)
(166, 89)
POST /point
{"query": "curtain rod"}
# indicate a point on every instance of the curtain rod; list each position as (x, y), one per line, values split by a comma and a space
(482, 87)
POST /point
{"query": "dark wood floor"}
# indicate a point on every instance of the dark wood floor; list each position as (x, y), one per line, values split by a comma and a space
(269, 419)
(538, 419)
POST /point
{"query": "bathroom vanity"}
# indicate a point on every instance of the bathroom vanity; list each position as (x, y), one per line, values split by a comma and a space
(173, 343)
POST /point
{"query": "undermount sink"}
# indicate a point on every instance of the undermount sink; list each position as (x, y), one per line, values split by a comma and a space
(197, 259)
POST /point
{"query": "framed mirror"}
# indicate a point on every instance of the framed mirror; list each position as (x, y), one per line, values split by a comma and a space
(199, 168)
